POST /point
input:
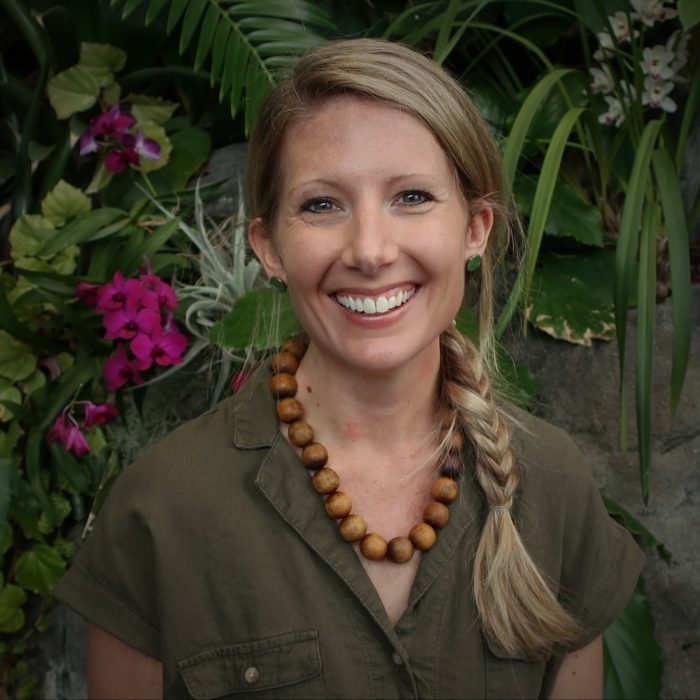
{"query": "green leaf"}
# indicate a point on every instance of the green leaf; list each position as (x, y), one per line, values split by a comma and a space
(17, 361)
(39, 569)
(572, 298)
(102, 57)
(679, 257)
(520, 383)
(646, 327)
(6, 469)
(157, 133)
(48, 522)
(689, 13)
(12, 598)
(633, 659)
(64, 202)
(206, 35)
(5, 538)
(28, 235)
(111, 93)
(636, 528)
(190, 150)
(73, 90)
(10, 396)
(151, 109)
(75, 472)
(89, 227)
(569, 214)
(259, 319)
(195, 10)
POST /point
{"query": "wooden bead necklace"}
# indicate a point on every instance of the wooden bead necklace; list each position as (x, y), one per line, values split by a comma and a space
(326, 481)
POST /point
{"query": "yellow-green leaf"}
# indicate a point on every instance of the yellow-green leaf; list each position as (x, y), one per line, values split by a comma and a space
(63, 203)
(102, 56)
(17, 361)
(12, 598)
(157, 133)
(39, 569)
(151, 109)
(73, 90)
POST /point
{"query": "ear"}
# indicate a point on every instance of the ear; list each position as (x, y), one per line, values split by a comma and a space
(260, 239)
(478, 232)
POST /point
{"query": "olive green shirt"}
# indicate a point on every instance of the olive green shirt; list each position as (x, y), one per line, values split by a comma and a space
(214, 554)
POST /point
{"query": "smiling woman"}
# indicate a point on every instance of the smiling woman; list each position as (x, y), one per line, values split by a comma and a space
(374, 192)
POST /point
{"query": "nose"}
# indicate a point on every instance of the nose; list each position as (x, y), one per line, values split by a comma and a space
(371, 240)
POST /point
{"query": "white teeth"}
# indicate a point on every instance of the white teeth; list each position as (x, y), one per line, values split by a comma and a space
(379, 305)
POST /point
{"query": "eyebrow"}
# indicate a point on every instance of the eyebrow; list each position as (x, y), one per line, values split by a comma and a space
(330, 182)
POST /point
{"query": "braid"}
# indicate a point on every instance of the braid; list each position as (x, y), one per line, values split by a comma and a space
(520, 615)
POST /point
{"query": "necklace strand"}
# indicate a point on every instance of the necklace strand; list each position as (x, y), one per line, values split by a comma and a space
(326, 481)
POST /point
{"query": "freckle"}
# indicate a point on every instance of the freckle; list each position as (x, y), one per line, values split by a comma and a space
(308, 388)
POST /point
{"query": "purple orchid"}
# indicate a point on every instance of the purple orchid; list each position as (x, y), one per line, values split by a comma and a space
(134, 148)
(164, 347)
(110, 125)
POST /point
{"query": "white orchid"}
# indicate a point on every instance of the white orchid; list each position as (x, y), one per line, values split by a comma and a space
(620, 25)
(656, 95)
(657, 62)
(651, 11)
(615, 114)
(678, 44)
(602, 79)
(605, 42)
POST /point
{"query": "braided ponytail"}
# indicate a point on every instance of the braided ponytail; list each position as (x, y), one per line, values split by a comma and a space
(520, 615)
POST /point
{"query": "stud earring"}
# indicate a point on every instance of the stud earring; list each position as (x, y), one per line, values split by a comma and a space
(278, 284)
(474, 263)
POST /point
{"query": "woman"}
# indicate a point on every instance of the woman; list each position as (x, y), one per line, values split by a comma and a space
(215, 569)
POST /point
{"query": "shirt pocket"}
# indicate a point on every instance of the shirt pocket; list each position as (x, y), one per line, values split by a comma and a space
(512, 679)
(253, 666)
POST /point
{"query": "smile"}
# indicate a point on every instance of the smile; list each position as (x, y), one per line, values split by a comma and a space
(375, 305)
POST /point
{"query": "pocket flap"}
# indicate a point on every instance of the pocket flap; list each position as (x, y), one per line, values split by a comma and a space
(245, 667)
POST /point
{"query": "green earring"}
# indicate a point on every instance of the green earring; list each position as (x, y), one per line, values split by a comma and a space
(278, 284)
(474, 263)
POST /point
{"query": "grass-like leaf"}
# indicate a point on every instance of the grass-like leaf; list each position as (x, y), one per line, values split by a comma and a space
(646, 325)
(625, 252)
(681, 298)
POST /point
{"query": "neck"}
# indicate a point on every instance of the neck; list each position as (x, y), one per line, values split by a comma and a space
(383, 410)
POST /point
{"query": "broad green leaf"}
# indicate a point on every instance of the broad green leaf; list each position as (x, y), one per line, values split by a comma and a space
(102, 57)
(191, 147)
(679, 257)
(569, 214)
(633, 659)
(9, 439)
(259, 319)
(39, 569)
(76, 472)
(8, 393)
(73, 90)
(34, 381)
(636, 528)
(29, 233)
(520, 383)
(61, 510)
(100, 179)
(63, 263)
(12, 598)
(157, 133)
(64, 202)
(5, 537)
(111, 93)
(16, 360)
(6, 469)
(65, 548)
(151, 109)
(689, 13)
(571, 296)
(646, 327)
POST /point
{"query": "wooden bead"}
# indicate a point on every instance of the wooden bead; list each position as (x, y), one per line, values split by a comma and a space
(400, 550)
(436, 514)
(295, 346)
(422, 536)
(338, 505)
(353, 528)
(325, 481)
(284, 362)
(300, 433)
(283, 385)
(444, 490)
(289, 410)
(314, 455)
(373, 546)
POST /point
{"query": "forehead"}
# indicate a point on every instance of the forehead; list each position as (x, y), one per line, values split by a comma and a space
(348, 134)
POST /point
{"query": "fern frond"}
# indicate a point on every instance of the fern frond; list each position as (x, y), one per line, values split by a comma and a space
(247, 45)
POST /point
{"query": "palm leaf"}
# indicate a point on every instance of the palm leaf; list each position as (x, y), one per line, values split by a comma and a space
(247, 44)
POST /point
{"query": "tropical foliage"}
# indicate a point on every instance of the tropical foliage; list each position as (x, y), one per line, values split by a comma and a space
(113, 277)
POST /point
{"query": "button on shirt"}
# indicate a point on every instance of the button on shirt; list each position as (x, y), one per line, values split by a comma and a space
(213, 554)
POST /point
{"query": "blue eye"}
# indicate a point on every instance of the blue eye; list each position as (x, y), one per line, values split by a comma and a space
(320, 205)
(415, 197)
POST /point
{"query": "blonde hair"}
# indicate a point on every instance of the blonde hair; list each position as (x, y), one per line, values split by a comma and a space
(520, 616)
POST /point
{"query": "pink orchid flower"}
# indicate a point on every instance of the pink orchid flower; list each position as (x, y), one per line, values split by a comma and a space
(135, 148)
(75, 441)
(99, 414)
(88, 293)
(57, 432)
(164, 347)
(113, 295)
(119, 369)
(163, 291)
(111, 124)
(129, 320)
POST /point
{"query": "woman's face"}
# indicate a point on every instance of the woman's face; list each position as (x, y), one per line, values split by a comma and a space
(371, 233)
